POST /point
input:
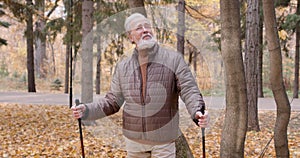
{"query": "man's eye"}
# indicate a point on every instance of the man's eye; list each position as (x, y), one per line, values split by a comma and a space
(139, 28)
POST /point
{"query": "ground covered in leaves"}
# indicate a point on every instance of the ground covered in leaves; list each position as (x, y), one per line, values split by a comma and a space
(50, 131)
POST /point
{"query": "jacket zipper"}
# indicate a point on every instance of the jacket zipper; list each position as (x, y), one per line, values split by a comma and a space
(143, 97)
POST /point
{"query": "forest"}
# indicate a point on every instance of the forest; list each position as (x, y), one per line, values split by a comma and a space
(242, 51)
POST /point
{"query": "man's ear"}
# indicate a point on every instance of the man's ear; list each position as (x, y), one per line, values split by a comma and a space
(130, 38)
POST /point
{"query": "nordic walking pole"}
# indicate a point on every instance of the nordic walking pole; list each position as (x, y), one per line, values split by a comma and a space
(80, 131)
(203, 135)
(71, 81)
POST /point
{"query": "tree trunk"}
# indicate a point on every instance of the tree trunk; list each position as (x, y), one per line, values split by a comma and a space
(195, 62)
(251, 52)
(182, 147)
(69, 44)
(40, 41)
(193, 56)
(181, 26)
(235, 125)
(276, 80)
(190, 57)
(98, 71)
(30, 52)
(53, 57)
(296, 73)
(87, 51)
(260, 92)
(67, 67)
(137, 6)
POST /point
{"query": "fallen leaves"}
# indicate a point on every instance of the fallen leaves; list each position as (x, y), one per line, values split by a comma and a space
(46, 131)
(50, 131)
(256, 142)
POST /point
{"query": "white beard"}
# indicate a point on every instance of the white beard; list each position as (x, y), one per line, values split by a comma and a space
(146, 44)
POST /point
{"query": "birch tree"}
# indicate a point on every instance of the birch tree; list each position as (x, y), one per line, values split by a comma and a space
(87, 51)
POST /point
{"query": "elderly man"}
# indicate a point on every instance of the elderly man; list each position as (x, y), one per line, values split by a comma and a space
(148, 85)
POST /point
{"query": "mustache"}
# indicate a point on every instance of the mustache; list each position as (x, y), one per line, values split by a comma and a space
(147, 35)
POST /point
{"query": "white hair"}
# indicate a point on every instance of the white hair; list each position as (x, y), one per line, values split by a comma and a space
(135, 17)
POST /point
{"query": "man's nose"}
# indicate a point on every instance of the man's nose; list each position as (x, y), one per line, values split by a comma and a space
(145, 29)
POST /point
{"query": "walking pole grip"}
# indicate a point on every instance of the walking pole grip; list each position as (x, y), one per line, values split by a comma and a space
(80, 131)
(203, 134)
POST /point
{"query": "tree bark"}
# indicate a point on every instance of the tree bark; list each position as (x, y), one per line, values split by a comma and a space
(181, 26)
(276, 80)
(296, 73)
(87, 51)
(69, 44)
(40, 41)
(251, 53)
(30, 52)
(235, 125)
(260, 85)
(195, 62)
(53, 57)
(67, 67)
(182, 147)
(137, 6)
(98, 71)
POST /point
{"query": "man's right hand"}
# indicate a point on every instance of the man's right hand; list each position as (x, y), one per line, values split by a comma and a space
(203, 119)
(78, 111)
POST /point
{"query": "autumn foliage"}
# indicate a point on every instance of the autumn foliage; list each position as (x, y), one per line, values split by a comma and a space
(50, 131)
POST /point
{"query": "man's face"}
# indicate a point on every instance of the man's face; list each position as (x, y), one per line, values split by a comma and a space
(141, 34)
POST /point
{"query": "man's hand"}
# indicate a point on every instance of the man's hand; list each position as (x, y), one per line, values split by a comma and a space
(203, 119)
(78, 111)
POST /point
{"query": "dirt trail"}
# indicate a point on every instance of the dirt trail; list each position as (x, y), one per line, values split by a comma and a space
(212, 102)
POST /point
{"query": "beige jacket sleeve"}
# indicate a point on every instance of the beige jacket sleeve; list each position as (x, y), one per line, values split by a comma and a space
(188, 88)
(109, 104)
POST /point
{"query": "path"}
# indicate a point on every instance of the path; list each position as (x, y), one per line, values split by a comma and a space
(63, 99)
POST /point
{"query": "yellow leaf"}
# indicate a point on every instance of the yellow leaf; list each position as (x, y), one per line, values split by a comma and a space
(282, 34)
